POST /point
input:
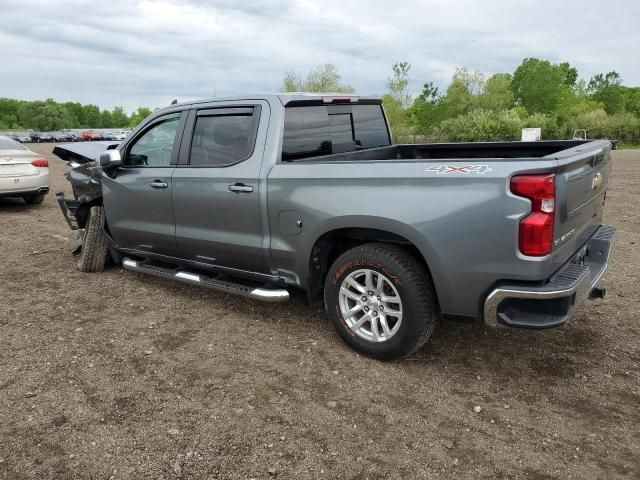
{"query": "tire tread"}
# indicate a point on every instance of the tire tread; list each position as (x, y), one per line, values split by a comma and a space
(93, 256)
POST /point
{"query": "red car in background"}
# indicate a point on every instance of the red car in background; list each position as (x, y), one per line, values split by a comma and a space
(90, 135)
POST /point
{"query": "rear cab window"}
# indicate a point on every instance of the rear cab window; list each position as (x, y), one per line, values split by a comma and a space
(311, 131)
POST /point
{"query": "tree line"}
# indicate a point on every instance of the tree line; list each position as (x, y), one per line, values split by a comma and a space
(477, 107)
(473, 107)
(49, 115)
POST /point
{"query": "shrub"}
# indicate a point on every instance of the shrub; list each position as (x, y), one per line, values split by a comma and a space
(480, 126)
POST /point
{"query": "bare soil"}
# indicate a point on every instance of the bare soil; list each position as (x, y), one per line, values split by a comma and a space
(118, 375)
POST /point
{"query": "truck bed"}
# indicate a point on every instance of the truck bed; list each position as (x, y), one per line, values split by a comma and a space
(492, 150)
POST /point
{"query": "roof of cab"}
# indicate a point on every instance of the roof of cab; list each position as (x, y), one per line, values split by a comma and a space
(286, 98)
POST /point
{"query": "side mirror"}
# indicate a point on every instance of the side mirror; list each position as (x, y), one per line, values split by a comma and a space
(110, 159)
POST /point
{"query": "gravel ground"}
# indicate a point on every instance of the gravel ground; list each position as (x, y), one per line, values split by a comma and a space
(118, 375)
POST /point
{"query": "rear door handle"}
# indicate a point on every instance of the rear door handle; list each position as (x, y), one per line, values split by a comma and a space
(158, 184)
(240, 188)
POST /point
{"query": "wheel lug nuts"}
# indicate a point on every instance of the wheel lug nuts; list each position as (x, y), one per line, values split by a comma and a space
(381, 307)
(375, 314)
(370, 293)
(364, 298)
(378, 297)
(366, 309)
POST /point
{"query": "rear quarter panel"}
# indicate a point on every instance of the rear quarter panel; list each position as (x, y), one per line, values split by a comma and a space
(464, 224)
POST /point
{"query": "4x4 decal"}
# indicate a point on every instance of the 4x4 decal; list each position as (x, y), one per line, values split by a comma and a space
(466, 169)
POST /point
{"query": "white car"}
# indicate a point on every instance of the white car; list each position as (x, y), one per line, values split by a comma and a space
(23, 173)
(119, 136)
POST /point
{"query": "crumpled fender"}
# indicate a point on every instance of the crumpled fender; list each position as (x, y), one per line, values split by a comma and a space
(85, 176)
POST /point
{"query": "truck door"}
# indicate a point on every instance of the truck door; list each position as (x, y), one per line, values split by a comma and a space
(216, 188)
(137, 197)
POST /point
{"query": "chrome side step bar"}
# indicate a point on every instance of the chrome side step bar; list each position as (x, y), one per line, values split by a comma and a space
(258, 293)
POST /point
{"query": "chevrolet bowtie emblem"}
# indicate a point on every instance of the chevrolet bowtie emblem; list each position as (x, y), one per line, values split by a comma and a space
(597, 181)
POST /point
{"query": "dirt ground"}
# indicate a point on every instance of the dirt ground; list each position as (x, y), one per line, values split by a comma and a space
(118, 375)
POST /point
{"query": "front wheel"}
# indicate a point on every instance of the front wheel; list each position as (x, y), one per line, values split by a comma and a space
(381, 301)
(94, 252)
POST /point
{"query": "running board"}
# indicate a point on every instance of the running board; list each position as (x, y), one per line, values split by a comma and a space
(258, 293)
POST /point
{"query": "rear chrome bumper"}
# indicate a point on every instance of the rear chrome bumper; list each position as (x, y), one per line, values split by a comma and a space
(553, 303)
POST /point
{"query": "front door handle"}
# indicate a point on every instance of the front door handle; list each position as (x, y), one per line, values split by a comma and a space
(241, 188)
(158, 184)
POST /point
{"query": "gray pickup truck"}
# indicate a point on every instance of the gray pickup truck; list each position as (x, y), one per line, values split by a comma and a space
(263, 194)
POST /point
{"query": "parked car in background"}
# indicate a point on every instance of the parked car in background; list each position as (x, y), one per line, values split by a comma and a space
(121, 135)
(23, 137)
(40, 137)
(62, 136)
(23, 173)
(109, 136)
(90, 135)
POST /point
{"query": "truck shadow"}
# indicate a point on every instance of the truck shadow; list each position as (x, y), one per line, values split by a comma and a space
(470, 349)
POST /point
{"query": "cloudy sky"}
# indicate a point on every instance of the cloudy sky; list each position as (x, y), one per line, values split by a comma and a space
(147, 52)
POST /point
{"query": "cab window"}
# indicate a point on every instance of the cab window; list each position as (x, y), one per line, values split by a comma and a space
(154, 147)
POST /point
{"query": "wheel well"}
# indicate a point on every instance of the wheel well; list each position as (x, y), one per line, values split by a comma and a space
(333, 244)
(82, 212)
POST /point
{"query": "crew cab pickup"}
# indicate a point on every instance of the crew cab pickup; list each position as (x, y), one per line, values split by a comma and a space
(263, 194)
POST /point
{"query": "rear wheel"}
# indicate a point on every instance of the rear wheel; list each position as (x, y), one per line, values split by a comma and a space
(33, 199)
(94, 252)
(381, 301)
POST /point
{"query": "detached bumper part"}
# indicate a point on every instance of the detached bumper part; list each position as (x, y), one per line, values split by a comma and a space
(553, 304)
(68, 208)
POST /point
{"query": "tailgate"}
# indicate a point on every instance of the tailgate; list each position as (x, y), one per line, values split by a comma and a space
(581, 182)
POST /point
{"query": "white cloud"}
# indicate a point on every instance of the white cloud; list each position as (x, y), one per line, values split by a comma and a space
(147, 52)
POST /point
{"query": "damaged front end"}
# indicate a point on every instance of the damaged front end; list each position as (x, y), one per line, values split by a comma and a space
(85, 177)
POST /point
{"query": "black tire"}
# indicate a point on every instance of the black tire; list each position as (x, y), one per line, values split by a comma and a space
(33, 199)
(413, 284)
(94, 252)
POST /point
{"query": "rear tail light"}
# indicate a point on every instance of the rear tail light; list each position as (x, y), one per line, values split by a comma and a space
(536, 229)
(42, 163)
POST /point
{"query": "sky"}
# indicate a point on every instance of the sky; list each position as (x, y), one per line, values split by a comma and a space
(146, 53)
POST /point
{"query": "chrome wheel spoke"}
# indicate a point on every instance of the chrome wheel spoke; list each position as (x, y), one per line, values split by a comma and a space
(380, 285)
(374, 328)
(353, 310)
(353, 283)
(369, 279)
(388, 299)
(352, 295)
(385, 326)
(361, 321)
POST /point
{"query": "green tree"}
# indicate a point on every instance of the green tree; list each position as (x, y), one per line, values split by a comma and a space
(497, 93)
(139, 115)
(397, 100)
(541, 86)
(119, 117)
(9, 113)
(324, 78)
(608, 90)
(425, 109)
(106, 120)
(90, 116)
(45, 116)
